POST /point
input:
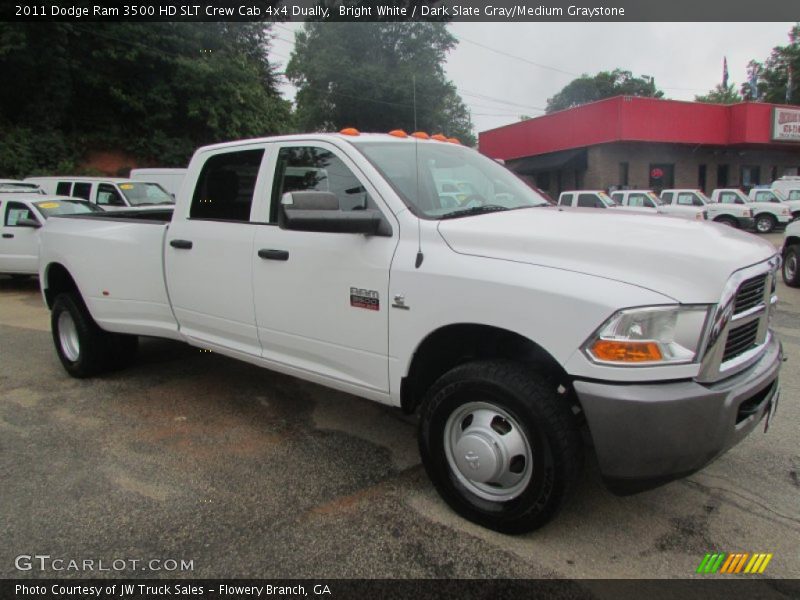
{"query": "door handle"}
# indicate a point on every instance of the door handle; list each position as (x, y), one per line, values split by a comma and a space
(273, 254)
(181, 244)
(8, 236)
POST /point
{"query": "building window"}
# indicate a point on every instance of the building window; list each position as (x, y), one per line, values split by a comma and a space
(662, 176)
(722, 176)
(750, 176)
(623, 175)
(701, 177)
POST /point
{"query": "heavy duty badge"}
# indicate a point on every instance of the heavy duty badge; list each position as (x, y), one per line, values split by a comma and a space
(369, 299)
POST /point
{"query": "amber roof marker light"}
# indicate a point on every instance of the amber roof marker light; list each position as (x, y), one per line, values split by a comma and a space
(421, 135)
(350, 131)
(398, 133)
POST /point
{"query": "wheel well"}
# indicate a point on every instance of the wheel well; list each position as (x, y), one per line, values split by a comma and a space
(57, 281)
(792, 240)
(453, 345)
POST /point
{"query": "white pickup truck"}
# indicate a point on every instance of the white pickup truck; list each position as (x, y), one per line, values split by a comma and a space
(109, 193)
(508, 324)
(768, 210)
(740, 217)
(791, 255)
(586, 199)
(647, 201)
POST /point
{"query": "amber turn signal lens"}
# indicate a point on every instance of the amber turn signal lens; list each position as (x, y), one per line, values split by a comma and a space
(350, 131)
(626, 351)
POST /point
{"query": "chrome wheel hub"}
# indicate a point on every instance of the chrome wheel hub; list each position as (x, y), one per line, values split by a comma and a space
(764, 224)
(488, 451)
(68, 336)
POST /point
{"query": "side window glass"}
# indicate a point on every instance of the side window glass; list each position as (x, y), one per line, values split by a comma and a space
(82, 190)
(309, 168)
(107, 195)
(62, 188)
(565, 200)
(667, 197)
(794, 195)
(636, 200)
(616, 197)
(685, 199)
(588, 200)
(15, 211)
(226, 185)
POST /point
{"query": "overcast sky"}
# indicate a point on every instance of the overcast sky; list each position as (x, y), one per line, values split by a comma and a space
(684, 58)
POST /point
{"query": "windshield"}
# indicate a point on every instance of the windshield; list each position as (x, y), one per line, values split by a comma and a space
(49, 208)
(140, 194)
(16, 188)
(453, 180)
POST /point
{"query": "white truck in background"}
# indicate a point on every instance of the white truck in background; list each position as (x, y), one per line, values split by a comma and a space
(510, 325)
(169, 179)
(646, 199)
(739, 217)
(109, 193)
(791, 255)
(768, 210)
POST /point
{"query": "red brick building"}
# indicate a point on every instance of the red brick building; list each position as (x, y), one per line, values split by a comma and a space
(631, 142)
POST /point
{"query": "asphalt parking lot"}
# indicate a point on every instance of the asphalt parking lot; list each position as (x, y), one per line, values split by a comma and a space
(194, 456)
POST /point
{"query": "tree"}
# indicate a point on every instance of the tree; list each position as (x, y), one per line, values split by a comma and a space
(376, 76)
(721, 95)
(154, 90)
(772, 75)
(605, 84)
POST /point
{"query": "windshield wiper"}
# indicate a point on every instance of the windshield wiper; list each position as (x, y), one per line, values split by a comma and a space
(475, 210)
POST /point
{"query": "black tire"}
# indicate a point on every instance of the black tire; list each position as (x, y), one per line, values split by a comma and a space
(791, 266)
(765, 223)
(729, 221)
(545, 419)
(92, 350)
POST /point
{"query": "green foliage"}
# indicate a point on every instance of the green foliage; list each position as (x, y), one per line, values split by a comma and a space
(154, 90)
(721, 95)
(364, 75)
(605, 84)
(773, 73)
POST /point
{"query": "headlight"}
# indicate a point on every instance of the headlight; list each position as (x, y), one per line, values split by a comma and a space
(649, 336)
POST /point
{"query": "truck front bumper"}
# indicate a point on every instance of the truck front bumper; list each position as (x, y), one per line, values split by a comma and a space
(646, 435)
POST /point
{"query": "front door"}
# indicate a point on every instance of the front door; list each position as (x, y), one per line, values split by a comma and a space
(19, 245)
(209, 254)
(321, 299)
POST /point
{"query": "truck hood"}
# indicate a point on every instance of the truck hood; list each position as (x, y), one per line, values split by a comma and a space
(689, 261)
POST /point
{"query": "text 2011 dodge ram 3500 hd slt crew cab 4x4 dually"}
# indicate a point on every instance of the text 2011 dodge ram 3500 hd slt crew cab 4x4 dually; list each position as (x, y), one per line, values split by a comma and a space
(510, 325)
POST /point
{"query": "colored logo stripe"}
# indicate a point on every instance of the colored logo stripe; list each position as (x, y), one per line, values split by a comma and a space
(734, 563)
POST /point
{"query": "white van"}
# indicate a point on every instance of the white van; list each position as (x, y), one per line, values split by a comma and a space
(109, 193)
(169, 179)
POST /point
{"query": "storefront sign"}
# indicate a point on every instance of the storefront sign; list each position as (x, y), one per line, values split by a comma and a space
(786, 124)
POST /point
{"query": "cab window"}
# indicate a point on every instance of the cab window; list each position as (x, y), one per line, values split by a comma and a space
(589, 201)
(794, 195)
(666, 197)
(63, 188)
(309, 168)
(565, 200)
(765, 197)
(689, 199)
(15, 212)
(226, 185)
(617, 197)
(107, 195)
(638, 200)
(82, 190)
(729, 198)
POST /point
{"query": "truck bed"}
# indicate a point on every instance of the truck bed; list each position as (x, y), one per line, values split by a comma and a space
(117, 261)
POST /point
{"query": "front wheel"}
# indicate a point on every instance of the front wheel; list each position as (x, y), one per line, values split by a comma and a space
(791, 261)
(500, 445)
(765, 223)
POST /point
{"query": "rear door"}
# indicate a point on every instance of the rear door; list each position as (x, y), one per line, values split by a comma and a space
(321, 299)
(209, 252)
(19, 245)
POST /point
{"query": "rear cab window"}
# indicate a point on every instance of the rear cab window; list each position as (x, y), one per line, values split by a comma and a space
(63, 188)
(565, 200)
(81, 189)
(226, 186)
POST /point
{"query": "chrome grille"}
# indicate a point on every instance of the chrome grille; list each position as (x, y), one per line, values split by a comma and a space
(750, 294)
(740, 340)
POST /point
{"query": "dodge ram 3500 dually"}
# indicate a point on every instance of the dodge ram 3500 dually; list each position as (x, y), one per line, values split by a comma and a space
(508, 324)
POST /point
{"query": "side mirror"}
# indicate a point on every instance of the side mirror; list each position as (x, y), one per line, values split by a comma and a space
(320, 212)
(32, 223)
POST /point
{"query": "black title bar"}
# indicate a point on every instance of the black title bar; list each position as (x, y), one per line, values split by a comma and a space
(511, 11)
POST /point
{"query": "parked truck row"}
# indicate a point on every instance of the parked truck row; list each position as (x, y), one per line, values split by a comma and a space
(511, 326)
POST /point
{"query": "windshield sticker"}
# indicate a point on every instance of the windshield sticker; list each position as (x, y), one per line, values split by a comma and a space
(48, 205)
(126, 186)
